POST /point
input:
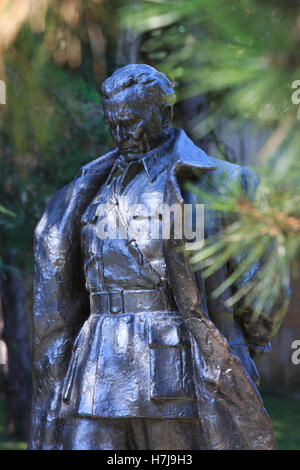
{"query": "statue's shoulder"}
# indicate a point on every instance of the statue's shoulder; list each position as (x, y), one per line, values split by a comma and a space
(68, 201)
(97, 165)
(231, 172)
(92, 168)
(189, 155)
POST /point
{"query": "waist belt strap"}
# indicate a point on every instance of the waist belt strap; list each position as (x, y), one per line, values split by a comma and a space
(132, 301)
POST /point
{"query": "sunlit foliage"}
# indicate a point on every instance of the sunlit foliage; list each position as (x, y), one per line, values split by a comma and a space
(243, 56)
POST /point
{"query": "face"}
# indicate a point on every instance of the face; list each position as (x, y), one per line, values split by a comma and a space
(136, 125)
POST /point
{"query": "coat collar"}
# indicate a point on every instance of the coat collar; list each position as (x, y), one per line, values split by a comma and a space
(186, 153)
(153, 163)
(181, 150)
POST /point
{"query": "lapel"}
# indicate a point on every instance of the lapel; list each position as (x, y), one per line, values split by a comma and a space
(80, 193)
(186, 156)
(187, 289)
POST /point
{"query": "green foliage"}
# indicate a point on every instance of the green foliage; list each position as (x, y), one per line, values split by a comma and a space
(285, 416)
(51, 127)
(254, 235)
(242, 57)
(6, 217)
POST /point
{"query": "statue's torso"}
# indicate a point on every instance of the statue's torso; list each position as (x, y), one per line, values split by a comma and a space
(119, 263)
(135, 362)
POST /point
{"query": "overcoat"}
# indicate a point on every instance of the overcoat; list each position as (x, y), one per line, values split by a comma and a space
(230, 409)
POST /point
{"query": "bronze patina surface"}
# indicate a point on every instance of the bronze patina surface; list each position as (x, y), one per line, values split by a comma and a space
(131, 350)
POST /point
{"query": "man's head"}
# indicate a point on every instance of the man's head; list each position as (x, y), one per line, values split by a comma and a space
(138, 107)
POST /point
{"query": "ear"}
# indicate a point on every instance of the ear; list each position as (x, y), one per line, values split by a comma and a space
(167, 115)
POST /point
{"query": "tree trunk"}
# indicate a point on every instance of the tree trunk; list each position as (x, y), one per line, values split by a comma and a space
(128, 48)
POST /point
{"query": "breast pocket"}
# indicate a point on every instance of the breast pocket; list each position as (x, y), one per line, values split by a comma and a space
(170, 361)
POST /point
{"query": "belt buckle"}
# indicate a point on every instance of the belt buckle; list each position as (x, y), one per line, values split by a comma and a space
(115, 302)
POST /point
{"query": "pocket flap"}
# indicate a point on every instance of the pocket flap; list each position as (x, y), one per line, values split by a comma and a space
(164, 333)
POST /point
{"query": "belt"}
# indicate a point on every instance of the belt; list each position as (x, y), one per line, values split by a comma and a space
(132, 301)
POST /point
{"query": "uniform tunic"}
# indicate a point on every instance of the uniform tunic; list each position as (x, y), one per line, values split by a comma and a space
(130, 364)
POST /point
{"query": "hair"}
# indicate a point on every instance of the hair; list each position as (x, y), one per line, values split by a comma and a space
(155, 84)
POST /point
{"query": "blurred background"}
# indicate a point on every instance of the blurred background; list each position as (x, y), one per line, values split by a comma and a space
(235, 66)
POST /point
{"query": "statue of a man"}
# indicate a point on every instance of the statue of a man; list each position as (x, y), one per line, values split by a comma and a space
(131, 351)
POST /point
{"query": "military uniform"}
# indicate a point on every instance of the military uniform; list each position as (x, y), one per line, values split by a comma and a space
(131, 350)
(134, 345)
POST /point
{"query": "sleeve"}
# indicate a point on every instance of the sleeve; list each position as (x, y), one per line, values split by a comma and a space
(258, 334)
(59, 305)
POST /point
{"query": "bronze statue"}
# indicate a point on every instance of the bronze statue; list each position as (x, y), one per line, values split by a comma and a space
(131, 351)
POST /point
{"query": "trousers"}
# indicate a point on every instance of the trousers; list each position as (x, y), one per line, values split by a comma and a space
(132, 434)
